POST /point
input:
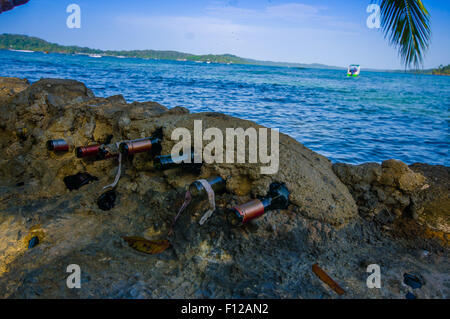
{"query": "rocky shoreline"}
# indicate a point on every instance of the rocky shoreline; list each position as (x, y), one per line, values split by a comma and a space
(342, 216)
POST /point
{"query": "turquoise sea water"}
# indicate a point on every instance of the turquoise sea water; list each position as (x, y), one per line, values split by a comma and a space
(371, 118)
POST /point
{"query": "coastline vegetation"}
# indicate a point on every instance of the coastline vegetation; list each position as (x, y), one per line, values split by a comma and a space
(441, 70)
(24, 42)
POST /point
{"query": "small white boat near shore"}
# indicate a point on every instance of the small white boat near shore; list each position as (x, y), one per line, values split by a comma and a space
(353, 70)
(95, 55)
(26, 51)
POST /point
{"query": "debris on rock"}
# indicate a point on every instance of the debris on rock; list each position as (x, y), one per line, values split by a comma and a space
(106, 200)
(276, 198)
(319, 272)
(59, 145)
(412, 280)
(22, 133)
(34, 241)
(147, 246)
(78, 180)
(410, 295)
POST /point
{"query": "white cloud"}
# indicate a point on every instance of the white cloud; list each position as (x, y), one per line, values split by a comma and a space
(290, 13)
(293, 11)
(216, 35)
(291, 33)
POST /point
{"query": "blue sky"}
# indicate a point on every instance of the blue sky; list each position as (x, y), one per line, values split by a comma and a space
(332, 32)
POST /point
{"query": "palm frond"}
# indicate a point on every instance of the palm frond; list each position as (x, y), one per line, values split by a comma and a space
(406, 25)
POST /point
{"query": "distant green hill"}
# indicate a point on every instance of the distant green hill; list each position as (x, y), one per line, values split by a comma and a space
(23, 42)
(441, 70)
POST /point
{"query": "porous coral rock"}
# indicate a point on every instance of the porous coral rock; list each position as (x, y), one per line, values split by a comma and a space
(270, 257)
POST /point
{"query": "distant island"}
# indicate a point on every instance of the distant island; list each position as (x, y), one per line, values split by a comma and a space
(441, 70)
(23, 42)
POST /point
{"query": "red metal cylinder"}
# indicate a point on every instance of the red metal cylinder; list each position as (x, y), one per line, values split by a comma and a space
(250, 210)
(57, 145)
(139, 146)
(85, 151)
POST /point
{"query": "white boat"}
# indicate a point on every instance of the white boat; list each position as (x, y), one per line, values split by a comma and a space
(353, 70)
(26, 51)
(95, 55)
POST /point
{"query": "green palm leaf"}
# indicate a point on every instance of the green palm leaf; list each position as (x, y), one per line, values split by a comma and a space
(406, 24)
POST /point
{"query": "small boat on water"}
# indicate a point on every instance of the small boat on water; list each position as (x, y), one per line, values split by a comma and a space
(26, 51)
(95, 55)
(353, 70)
